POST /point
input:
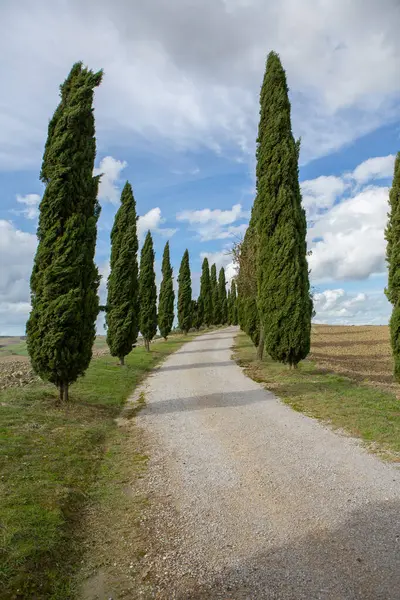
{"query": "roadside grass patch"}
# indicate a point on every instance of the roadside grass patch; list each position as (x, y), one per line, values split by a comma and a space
(359, 410)
(50, 459)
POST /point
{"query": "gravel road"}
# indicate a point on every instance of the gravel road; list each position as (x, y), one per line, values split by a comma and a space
(250, 499)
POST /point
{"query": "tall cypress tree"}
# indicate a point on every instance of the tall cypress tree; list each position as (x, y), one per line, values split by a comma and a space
(234, 306)
(205, 293)
(200, 313)
(222, 296)
(147, 292)
(167, 296)
(216, 306)
(122, 315)
(194, 314)
(284, 301)
(229, 305)
(185, 294)
(62, 324)
(393, 260)
(248, 316)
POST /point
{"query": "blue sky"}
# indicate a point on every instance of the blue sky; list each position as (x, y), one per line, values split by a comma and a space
(177, 116)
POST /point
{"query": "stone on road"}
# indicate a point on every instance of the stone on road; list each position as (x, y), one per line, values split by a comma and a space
(251, 499)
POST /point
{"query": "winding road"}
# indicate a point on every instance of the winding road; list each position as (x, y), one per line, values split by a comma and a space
(251, 499)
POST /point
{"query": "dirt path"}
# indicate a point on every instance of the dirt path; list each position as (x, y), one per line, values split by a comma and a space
(253, 500)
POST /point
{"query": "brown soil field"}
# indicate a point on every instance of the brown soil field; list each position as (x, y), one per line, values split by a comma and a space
(361, 352)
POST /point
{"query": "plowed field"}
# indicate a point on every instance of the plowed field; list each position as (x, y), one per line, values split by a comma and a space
(359, 352)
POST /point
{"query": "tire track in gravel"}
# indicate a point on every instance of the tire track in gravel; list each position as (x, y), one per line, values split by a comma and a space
(250, 499)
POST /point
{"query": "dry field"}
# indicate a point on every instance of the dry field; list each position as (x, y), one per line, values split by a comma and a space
(15, 367)
(360, 352)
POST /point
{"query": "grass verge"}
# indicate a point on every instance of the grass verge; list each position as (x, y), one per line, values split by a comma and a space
(361, 411)
(50, 460)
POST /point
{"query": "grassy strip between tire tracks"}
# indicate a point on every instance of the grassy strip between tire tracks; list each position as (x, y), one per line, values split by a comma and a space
(359, 410)
(50, 459)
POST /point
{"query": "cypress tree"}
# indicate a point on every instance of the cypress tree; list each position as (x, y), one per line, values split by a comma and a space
(229, 308)
(122, 315)
(223, 303)
(147, 292)
(248, 316)
(393, 260)
(194, 314)
(205, 293)
(284, 302)
(167, 296)
(234, 308)
(185, 294)
(62, 324)
(216, 306)
(200, 313)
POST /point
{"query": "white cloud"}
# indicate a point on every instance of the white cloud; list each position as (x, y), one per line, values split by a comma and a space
(110, 170)
(347, 217)
(380, 167)
(17, 249)
(153, 221)
(31, 202)
(206, 215)
(215, 224)
(349, 238)
(321, 193)
(163, 84)
(340, 307)
(221, 259)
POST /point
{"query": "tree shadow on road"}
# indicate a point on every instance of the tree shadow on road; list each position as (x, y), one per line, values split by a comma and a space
(358, 560)
(205, 365)
(224, 349)
(218, 400)
(206, 338)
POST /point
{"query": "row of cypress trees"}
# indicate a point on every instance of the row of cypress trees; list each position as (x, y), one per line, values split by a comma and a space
(132, 298)
(213, 306)
(218, 307)
(275, 304)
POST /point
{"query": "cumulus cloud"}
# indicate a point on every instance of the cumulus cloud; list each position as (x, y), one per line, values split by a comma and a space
(336, 306)
(153, 221)
(321, 193)
(163, 82)
(17, 249)
(380, 167)
(347, 217)
(206, 215)
(215, 224)
(110, 170)
(350, 241)
(31, 203)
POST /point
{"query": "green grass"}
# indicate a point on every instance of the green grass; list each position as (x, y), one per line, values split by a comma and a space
(50, 459)
(365, 412)
(17, 349)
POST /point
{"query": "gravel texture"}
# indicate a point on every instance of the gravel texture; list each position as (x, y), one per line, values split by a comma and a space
(250, 499)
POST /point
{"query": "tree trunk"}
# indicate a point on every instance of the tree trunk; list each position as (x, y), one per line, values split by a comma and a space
(261, 344)
(66, 393)
(122, 360)
(61, 393)
(147, 344)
